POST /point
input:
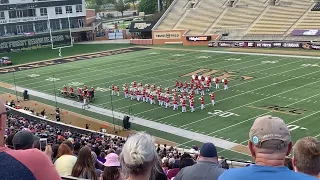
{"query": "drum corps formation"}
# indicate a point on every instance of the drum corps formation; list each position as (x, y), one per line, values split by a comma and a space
(83, 94)
(177, 97)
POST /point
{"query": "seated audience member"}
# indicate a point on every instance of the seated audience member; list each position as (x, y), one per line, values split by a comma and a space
(24, 140)
(207, 166)
(185, 162)
(30, 164)
(306, 156)
(138, 157)
(76, 148)
(269, 144)
(157, 172)
(84, 167)
(9, 141)
(97, 165)
(173, 172)
(65, 160)
(111, 170)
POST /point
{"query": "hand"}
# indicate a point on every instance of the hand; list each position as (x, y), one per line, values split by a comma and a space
(48, 151)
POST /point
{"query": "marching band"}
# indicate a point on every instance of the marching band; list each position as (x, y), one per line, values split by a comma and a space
(197, 85)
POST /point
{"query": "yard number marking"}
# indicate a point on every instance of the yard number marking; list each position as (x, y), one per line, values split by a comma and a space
(102, 89)
(203, 57)
(310, 65)
(233, 59)
(33, 75)
(52, 79)
(269, 62)
(76, 84)
(221, 113)
(154, 53)
(295, 127)
(178, 55)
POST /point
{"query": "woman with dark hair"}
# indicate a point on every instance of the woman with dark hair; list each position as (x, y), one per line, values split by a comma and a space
(65, 160)
(111, 170)
(84, 167)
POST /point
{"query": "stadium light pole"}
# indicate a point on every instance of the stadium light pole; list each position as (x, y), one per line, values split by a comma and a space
(114, 126)
(54, 90)
(15, 85)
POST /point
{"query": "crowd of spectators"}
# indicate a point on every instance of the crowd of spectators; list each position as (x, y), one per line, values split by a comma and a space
(98, 156)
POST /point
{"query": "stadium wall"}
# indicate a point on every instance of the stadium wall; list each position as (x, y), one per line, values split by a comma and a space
(178, 37)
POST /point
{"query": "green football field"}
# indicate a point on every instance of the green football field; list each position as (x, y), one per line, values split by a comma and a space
(286, 87)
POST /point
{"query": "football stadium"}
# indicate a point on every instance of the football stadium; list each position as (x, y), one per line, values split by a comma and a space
(205, 72)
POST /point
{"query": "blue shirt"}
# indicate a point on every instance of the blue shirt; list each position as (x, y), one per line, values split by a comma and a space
(256, 172)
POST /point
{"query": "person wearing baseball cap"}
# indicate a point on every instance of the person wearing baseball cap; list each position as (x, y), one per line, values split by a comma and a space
(111, 170)
(269, 144)
(206, 168)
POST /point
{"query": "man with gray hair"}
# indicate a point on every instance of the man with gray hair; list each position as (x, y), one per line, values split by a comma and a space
(269, 144)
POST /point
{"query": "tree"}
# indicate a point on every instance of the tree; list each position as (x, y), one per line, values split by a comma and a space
(121, 7)
(147, 6)
(131, 1)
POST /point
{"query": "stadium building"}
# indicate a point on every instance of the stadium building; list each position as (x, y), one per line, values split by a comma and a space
(21, 18)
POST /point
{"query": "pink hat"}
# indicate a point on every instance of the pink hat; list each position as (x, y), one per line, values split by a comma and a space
(112, 160)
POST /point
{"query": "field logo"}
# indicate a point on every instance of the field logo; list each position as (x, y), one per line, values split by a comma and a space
(221, 74)
(76, 84)
(178, 55)
(233, 59)
(310, 65)
(221, 113)
(269, 62)
(33, 75)
(52, 79)
(103, 89)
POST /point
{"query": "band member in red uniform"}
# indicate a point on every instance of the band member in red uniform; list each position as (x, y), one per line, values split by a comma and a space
(112, 90)
(212, 98)
(203, 79)
(79, 91)
(148, 86)
(177, 84)
(225, 82)
(85, 103)
(209, 79)
(147, 97)
(196, 88)
(152, 99)
(217, 83)
(154, 87)
(140, 85)
(144, 95)
(167, 102)
(184, 94)
(159, 98)
(192, 105)
(138, 95)
(134, 84)
(126, 92)
(207, 86)
(183, 105)
(65, 90)
(202, 102)
(202, 90)
(181, 86)
(175, 103)
(118, 91)
(191, 80)
(131, 94)
(168, 91)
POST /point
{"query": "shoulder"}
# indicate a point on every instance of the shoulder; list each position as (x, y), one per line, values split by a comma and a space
(232, 173)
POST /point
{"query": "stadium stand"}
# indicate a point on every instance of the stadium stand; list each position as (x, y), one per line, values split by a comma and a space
(316, 7)
(242, 19)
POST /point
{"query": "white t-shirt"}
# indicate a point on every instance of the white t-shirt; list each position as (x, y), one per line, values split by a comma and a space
(64, 164)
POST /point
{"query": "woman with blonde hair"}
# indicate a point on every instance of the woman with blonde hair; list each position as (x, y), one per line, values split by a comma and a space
(84, 167)
(65, 160)
(138, 157)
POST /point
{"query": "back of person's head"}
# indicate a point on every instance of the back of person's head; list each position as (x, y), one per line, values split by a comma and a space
(111, 170)
(76, 147)
(185, 155)
(306, 156)
(9, 141)
(269, 141)
(69, 143)
(63, 150)
(55, 151)
(84, 164)
(186, 162)
(157, 172)
(138, 155)
(23, 140)
(208, 152)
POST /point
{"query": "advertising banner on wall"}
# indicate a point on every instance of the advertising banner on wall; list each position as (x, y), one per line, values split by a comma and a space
(311, 46)
(198, 38)
(310, 32)
(142, 26)
(25, 42)
(167, 35)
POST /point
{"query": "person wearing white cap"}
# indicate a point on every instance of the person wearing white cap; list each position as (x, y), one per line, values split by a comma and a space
(269, 144)
(111, 170)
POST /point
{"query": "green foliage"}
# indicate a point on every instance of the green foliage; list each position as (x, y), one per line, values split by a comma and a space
(121, 7)
(147, 6)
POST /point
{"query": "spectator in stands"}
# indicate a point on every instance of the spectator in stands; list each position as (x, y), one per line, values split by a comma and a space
(98, 166)
(76, 148)
(23, 140)
(185, 162)
(111, 170)
(138, 157)
(306, 156)
(157, 172)
(55, 152)
(30, 164)
(173, 172)
(65, 160)
(288, 163)
(9, 140)
(207, 166)
(269, 144)
(84, 167)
